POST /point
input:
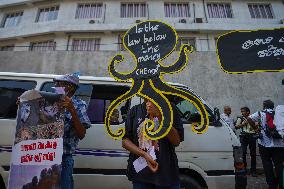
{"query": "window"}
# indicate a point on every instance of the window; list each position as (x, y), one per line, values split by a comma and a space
(43, 46)
(47, 14)
(132, 10)
(83, 92)
(7, 48)
(179, 10)
(102, 96)
(219, 10)
(86, 44)
(10, 90)
(93, 10)
(185, 40)
(120, 43)
(98, 98)
(188, 112)
(260, 11)
(12, 19)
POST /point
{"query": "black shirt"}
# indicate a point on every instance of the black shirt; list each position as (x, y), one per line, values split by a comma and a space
(168, 173)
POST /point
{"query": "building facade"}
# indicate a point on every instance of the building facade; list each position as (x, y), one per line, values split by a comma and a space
(62, 36)
(75, 25)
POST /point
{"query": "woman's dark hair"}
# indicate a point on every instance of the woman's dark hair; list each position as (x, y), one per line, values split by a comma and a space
(268, 104)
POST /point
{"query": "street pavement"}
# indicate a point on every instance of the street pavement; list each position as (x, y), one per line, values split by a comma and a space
(257, 182)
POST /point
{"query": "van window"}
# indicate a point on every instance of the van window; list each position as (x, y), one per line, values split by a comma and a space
(189, 112)
(83, 92)
(98, 98)
(10, 90)
(101, 98)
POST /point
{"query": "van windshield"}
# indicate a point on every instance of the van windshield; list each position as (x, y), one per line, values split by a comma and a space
(188, 111)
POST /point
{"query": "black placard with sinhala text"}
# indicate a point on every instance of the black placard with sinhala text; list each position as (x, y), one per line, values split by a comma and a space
(252, 51)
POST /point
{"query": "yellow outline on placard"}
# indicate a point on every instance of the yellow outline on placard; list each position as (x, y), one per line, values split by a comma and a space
(127, 73)
(107, 121)
(184, 97)
(186, 57)
(162, 114)
(122, 73)
(161, 93)
(244, 31)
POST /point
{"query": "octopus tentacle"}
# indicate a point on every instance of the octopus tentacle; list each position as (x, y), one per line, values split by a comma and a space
(181, 62)
(111, 68)
(151, 93)
(167, 89)
(136, 87)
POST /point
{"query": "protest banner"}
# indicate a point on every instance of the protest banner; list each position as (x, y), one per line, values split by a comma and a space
(38, 145)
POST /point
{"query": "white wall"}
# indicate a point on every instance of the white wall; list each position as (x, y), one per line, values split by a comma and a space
(111, 23)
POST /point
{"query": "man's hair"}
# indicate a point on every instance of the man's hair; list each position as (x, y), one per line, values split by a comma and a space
(226, 107)
(268, 104)
(245, 109)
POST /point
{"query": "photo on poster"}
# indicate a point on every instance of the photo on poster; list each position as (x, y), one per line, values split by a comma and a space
(38, 119)
(34, 176)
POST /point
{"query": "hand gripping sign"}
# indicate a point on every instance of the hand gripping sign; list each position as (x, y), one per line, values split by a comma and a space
(149, 43)
(242, 52)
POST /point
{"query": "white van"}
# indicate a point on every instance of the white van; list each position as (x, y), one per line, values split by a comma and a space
(212, 160)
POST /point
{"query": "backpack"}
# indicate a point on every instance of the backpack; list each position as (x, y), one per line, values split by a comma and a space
(270, 128)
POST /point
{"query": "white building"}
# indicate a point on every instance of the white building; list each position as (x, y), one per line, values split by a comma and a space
(41, 25)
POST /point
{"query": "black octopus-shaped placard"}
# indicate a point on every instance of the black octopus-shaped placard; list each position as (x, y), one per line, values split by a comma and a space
(149, 43)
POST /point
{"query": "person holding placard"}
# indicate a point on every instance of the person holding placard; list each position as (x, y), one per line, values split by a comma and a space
(152, 164)
(75, 125)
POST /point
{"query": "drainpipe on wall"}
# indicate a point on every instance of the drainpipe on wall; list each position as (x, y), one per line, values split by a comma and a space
(148, 11)
(67, 48)
(204, 11)
(208, 44)
(104, 13)
(193, 12)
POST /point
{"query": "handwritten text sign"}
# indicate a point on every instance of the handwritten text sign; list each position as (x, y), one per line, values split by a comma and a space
(38, 152)
(149, 42)
(252, 51)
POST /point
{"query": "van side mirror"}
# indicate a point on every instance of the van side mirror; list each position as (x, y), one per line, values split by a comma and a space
(217, 117)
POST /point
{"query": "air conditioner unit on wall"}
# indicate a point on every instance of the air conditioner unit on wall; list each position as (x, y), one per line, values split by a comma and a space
(198, 20)
(92, 21)
(182, 21)
(95, 22)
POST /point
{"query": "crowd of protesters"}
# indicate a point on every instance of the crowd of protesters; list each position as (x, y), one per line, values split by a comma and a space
(159, 173)
(260, 127)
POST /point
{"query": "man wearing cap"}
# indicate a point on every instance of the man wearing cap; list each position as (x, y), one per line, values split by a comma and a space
(75, 124)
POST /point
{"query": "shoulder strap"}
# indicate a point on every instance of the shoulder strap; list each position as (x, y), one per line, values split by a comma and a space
(259, 120)
(269, 119)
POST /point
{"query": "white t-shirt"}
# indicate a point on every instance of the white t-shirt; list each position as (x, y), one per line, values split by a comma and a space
(266, 141)
(228, 120)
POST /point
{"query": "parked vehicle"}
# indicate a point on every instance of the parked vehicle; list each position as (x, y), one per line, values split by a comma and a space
(212, 160)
